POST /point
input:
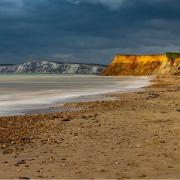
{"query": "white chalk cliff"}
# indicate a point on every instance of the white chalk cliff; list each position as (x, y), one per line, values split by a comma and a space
(52, 67)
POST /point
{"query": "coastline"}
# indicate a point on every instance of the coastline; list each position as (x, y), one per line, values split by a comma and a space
(35, 95)
(134, 136)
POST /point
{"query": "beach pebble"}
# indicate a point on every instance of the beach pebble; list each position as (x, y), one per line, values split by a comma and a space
(137, 145)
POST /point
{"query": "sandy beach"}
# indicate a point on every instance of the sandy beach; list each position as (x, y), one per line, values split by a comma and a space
(134, 136)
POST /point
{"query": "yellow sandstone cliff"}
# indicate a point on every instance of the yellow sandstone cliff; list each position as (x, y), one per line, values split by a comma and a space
(144, 65)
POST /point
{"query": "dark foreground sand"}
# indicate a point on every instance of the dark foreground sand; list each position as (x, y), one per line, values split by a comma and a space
(135, 136)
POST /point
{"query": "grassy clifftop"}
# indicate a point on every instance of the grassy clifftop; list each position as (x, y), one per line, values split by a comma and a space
(173, 55)
(144, 64)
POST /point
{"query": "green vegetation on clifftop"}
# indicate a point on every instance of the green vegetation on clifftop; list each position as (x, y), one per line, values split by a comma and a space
(172, 55)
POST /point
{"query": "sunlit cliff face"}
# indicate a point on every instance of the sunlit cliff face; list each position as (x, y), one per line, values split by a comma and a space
(142, 65)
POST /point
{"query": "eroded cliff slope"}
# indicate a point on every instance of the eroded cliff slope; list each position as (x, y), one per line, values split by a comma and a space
(168, 63)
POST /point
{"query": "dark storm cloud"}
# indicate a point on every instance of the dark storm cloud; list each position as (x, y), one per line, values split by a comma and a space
(86, 30)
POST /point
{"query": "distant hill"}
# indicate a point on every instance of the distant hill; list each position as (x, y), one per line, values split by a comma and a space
(167, 63)
(52, 67)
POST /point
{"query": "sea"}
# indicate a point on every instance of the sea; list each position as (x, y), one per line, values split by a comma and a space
(36, 93)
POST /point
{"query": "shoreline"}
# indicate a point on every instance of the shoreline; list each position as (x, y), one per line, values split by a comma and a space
(134, 136)
(58, 106)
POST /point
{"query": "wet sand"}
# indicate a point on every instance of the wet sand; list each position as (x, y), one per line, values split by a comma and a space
(135, 136)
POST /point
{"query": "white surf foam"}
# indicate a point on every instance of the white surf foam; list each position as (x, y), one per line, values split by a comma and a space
(27, 93)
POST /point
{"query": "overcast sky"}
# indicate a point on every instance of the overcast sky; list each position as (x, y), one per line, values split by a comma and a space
(86, 30)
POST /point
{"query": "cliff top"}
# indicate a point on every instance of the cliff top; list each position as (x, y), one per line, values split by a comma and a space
(118, 54)
(170, 55)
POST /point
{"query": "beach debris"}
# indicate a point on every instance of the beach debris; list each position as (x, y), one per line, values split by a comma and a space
(143, 176)
(20, 162)
(23, 177)
(66, 119)
(162, 141)
(103, 170)
(152, 95)
(5, 162)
